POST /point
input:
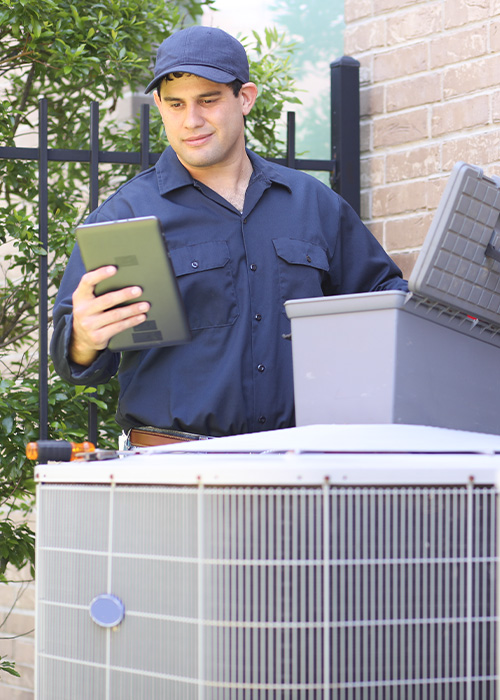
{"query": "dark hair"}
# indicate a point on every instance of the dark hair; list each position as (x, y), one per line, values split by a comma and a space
(235, 85)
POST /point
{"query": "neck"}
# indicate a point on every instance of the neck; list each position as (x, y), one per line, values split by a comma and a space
(229, 181)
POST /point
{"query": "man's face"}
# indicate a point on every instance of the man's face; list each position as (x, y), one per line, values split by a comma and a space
(204, 120)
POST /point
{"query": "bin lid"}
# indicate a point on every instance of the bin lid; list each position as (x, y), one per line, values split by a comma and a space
(459, 264)
(346, 303)
(456, 279)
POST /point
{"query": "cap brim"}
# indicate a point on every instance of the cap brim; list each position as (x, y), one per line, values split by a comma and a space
(214, 74)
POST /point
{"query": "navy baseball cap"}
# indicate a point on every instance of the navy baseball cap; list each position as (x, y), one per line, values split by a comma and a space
(208, 52)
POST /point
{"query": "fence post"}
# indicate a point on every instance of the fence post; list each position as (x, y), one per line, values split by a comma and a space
(290, 140)
(345, 129)
(43, 218)
(94, 201)
(144, 144)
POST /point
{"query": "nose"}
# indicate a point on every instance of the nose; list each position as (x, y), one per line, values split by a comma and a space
(193, 116)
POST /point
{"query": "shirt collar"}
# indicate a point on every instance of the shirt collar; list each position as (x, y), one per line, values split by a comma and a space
(269, 171)
(172, 174)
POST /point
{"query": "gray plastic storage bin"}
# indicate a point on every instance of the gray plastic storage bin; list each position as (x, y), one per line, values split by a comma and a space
(429, 357)
(367, 358)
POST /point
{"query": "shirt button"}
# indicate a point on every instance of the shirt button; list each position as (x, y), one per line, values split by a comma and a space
(261, 368)
(262, 420)
(195, 264)
(253, 267)
(244, 221)
(258, 317)
(308, 258)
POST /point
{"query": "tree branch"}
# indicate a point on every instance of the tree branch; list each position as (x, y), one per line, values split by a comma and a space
(24, 98)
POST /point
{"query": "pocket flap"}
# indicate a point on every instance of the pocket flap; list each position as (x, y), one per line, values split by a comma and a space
(200, 256)
(297, 252)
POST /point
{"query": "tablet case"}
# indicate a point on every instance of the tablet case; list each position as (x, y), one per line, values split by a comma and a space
(139, 251)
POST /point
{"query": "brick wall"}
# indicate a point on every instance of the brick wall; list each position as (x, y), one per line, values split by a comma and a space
(430, 96)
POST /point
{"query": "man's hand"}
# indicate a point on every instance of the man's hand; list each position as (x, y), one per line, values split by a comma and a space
(95, 320)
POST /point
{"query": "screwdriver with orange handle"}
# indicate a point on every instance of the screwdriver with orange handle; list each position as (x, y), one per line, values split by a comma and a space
(58, 450)
(64, 451)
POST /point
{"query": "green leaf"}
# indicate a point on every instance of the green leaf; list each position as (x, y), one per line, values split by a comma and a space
(8, 667)
(7, 424)
(79, 50)
(36, 29)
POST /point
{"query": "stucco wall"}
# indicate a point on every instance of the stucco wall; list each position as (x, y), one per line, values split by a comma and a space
(430, 96)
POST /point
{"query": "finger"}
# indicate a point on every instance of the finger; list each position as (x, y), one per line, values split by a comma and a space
(108, 301)
(84, 294)
(90, 279)
(93, 330)
(117, 315)
(102, 335)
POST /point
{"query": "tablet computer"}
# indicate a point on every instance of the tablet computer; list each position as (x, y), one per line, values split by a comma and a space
(137, 248)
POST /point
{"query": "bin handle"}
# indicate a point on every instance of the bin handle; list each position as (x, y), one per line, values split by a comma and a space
(492, 252)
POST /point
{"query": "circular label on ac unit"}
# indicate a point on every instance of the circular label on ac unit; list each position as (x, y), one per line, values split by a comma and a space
(107, 610)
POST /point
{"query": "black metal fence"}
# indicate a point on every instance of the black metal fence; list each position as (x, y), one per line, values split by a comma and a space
(343, 167)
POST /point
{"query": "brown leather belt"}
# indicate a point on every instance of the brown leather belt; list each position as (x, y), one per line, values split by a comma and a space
(151, 437)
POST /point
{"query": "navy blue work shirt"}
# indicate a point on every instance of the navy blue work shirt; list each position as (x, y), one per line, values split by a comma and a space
(295, 238)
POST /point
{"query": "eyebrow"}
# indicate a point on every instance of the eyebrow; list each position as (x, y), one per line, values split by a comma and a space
(212, 93)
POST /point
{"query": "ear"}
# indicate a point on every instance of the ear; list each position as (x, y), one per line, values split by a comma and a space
(157, 99)
(248, 95)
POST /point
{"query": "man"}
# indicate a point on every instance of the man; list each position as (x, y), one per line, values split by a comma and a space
(244, 236)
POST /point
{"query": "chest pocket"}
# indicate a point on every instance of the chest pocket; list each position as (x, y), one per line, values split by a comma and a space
(301, 268)
(206, 284)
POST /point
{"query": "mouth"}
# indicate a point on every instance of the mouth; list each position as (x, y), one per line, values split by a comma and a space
(198, 140)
